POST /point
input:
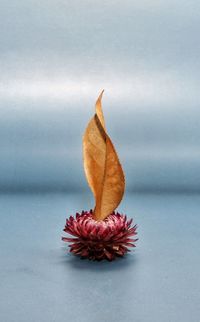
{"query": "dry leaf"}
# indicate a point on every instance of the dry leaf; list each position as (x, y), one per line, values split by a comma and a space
(102, 167)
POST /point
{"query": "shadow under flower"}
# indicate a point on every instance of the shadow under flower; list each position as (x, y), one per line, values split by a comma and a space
(119, 263)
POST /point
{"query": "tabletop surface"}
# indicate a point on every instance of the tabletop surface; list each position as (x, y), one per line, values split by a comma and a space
(40, 281)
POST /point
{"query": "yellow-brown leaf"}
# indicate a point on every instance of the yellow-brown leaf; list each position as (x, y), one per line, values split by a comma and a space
(102, 167)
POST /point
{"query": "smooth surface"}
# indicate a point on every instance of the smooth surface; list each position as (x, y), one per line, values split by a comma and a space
(159, 282)
(55, 58)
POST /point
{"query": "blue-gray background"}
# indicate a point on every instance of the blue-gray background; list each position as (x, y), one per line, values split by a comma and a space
(55, 58)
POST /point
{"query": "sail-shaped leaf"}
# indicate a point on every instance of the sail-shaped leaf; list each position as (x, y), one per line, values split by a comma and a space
(102, 167)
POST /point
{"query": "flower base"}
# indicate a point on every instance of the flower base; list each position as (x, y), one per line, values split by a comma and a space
(98, 240)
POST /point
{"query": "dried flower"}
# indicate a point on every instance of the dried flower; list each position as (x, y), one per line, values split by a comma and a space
(97, 240)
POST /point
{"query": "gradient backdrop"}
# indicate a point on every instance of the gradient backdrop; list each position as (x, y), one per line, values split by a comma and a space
(55, 58)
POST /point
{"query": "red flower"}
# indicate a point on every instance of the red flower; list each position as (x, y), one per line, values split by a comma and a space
(97, 240)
